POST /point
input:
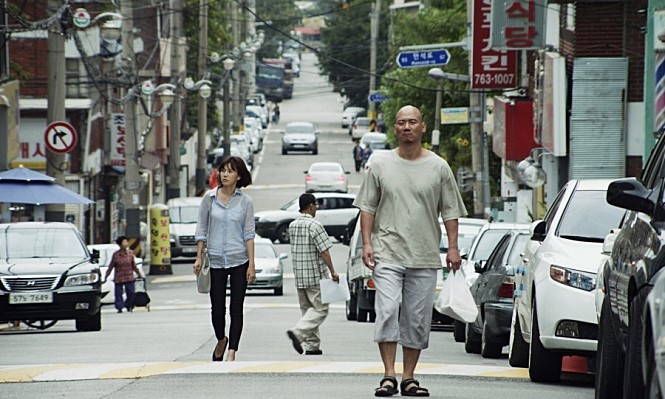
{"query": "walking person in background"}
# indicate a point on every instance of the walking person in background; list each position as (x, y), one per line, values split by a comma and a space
(275, 113)
(124, 265)
(400, 200)
(358, 155)
(310, 247)
(226, 225)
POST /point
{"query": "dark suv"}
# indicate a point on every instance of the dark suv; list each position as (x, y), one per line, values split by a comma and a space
(47, 274)
(638, 254)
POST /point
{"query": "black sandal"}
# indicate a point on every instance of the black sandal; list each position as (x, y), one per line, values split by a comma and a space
(385, 389)
(411, 387)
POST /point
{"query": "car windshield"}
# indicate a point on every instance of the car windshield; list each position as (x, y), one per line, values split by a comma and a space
(105, 255)
(299, 129)
(324, 168)
(264, 251)
(184, 214)
(41, 243)
(464, 240)
(486, 244)
(362, 122)
(291, 205)
(588, 217)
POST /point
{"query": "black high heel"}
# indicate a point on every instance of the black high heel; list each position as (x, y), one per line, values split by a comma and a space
(219, 359)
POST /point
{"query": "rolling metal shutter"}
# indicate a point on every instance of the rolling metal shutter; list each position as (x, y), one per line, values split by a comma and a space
(598, 118)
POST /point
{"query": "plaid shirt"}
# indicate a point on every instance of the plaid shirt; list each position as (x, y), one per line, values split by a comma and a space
(308, 240)
(123, 262)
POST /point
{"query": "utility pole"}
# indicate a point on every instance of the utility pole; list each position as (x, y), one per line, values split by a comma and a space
(374, 37)
(202, 102)
(55, 162)
(242, 76)
(477, 152)
(132, 178)
(175, 110)
(238, 83)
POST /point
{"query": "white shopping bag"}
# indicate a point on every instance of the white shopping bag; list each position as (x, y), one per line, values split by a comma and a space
(455, 299)
(334, 292)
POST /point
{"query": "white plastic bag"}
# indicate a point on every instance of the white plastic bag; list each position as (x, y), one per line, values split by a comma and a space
(455, 299)
(332, 291)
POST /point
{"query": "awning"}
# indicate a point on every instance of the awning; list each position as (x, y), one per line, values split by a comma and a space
(42, 103)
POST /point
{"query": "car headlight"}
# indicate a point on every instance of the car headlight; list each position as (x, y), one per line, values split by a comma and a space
(286, 140)
(272, 270)
(573, 278)
(82, 279)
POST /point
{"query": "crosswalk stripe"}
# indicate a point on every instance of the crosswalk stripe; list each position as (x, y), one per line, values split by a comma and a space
(92, 371)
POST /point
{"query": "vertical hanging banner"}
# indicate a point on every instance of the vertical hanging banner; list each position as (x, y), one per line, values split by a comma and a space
(117, 154)
(659, 93)
(490, 69)
(518, 24)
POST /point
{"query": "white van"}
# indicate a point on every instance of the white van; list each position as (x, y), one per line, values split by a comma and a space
(183, 215)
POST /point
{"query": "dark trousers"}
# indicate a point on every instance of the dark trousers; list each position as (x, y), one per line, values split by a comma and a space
(238, 283)
(129, 290)
(358, 164)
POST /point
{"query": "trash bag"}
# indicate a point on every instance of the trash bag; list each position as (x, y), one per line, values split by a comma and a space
(455, 299)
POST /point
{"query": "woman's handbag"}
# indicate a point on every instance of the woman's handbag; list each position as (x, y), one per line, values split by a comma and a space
(203, 278)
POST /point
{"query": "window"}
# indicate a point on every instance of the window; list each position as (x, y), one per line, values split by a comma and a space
(588, 217)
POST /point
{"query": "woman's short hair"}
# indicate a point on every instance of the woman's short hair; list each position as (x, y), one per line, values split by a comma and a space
(120, 239)
(237, 164)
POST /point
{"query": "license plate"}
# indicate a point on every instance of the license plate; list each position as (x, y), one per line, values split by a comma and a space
(300, 145)
(33, 297)
(189, 250)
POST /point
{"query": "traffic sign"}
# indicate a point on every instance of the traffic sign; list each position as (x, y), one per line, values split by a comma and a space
(376, 97)
(413, 59)
(60, 137)
(81, 18)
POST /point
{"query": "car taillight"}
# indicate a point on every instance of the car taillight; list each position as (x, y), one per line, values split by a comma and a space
(341, 178)
(507, 287)
(308, 178)
(370, 283)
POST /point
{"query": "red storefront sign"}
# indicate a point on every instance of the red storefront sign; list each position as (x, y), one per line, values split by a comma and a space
(490, 69)
(513, 128)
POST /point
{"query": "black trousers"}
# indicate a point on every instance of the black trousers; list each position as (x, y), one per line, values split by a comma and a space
(238, 283)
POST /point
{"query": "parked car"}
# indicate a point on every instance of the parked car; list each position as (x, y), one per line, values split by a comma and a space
(635, 263)
(261, 112)
(349, 116)
(105, 254)
(269, 267)
(300, 136)
(47, 274)
(482, 246)
(253, 126)
(360, 126)
(326, 176)
(653, 345)
(555, 298)
(493, 293)
(243, 147)
(335, 212)
(183, 215)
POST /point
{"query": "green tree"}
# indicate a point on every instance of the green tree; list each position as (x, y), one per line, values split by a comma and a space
(276, 18)
(345, 55)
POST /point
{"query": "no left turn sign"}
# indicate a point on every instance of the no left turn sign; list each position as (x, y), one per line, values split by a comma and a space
(60, 137)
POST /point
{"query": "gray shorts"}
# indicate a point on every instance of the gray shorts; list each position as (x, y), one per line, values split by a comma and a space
(412, 289)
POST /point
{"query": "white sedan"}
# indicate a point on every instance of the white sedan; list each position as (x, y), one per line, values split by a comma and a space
(326, 176)
(105, 253)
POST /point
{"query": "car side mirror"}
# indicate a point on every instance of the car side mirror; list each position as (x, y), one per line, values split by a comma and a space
(630, 194)
(608, 242)
(538, 230)
(479, 266)
(304, 171)
(347, 172)
(283, 256)
(94, 256)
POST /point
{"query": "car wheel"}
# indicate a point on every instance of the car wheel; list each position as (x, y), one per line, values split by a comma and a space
(40, 324)
(633, 386)
(93, 323)
(279, 291)
(653, 382)
(488, 348)
(610, 360)
(315, 151)
(518, 349)
(544, 366)
(472, 341)
(459, 331)
(283, 151)
(361, 315)
(352, 307)
(283, 234)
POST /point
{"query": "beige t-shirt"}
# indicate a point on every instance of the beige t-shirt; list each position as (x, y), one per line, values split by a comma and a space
(406, 199)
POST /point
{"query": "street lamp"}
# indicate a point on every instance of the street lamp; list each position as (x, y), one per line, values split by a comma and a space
(228, 63)
(438, 75)
(204, 90)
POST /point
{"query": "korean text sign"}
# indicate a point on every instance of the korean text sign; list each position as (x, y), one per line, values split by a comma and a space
(518, 24)
(490, 68)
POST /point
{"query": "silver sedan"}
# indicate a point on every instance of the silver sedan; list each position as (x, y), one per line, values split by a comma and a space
(326, 176)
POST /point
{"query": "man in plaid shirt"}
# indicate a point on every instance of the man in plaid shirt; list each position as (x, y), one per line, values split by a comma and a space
(310, 246)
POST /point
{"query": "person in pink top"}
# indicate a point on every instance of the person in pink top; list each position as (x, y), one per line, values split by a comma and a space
(124, 265)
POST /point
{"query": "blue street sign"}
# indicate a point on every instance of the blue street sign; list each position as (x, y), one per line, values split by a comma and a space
(377, 97)
(413, 59)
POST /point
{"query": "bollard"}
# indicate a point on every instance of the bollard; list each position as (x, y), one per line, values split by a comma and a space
(160, 244)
